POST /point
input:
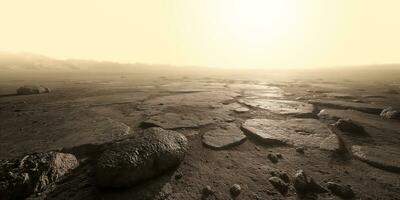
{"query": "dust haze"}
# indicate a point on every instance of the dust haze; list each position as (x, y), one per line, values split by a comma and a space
(210, 100)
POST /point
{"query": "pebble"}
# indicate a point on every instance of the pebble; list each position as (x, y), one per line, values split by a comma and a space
(235, 190)
(273, 158)
(300, 150)
(207, 190)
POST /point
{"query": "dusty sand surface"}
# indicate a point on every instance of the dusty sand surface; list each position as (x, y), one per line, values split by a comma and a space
(81, 117)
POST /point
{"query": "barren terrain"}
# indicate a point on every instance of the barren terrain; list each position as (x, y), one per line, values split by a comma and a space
(233, 126)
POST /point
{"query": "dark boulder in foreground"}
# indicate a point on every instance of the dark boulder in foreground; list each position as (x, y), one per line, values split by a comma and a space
(150, 154)
(34, 173)
(390, 113)
(32, 89)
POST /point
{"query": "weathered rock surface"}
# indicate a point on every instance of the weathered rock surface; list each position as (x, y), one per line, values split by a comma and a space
(34, 173)
(363, 107)
(283, 107)
(128, 162)
(32, 89)
(225, 136)
(390, 113)
(296, 132)
(340, 190)
(174, 121)
(383, 157)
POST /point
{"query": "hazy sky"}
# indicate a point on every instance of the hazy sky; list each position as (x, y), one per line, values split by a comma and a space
(225, 33)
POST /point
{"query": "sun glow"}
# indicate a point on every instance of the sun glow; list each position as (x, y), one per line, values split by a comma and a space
(260, 21)
(216, 33)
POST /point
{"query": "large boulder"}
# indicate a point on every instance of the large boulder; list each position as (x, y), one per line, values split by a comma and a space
(34, 173)
(32, 89)
(145, 156)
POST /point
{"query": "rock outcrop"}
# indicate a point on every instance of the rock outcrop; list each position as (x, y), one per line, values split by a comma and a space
(34, 173)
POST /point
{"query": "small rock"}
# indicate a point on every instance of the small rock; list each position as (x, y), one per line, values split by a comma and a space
(348, 125)
(178, 175)
(390, 113)
(207, 191)
(273, 158)
(304, 184)
(235, 190)
(343, 191)
(282, 175)
(300, 182)
(285, 177)
(300, 150)
(279, 185)
(315, 187)
(278, 155)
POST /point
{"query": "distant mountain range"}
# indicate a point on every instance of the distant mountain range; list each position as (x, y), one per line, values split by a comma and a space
(26, 62)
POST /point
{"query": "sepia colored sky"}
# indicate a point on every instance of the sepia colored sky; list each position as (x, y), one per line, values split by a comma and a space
(220, 33)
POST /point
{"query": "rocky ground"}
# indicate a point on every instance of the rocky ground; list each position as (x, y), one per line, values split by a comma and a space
(242, 139)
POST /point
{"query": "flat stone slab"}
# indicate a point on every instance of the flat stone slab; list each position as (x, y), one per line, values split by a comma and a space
(198, 99)
(241, 110)
(189, 86)
(295, 132)
(174, 120)
(377, 128)
(283, 107)
(382, 157)
(266, 92)
(340, 95)
(363, 107)
(223, 137)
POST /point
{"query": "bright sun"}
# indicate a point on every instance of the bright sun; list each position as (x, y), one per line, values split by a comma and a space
(259, 21)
